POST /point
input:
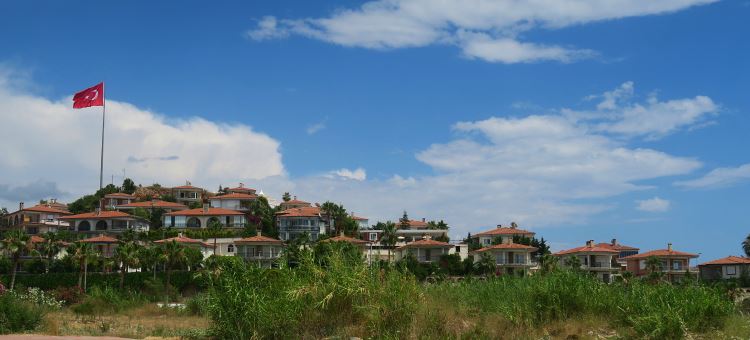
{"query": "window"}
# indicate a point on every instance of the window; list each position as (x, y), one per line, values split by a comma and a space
(487, 241)
(193, 195)
(230, 248)
(101, 225)
(642, 264)
(731, 270)
(373, 236)
(458, 249)
(84, 226)
(193, 223)
(677, 265)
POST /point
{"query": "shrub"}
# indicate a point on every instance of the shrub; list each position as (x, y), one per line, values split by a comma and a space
(38, 297)
(70, 295)
(17, 315)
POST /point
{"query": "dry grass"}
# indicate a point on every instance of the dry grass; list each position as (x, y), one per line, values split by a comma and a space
(142, 322)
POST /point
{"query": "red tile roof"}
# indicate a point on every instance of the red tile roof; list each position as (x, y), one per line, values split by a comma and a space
(504, 231)
(100, 239)
(119, 195)
(343, 238)
(235, 196)
(586, 249)
(155, 204)
(618, 247)
(201, 212)
(661, 253)
(508, 246)
(101, 215)
(414, 224)
(184, 240)
(728, 260)
(242, 189)
(294, 201)
(299, 212)
(36, 239)
(425, 243)
(45, 209)
(259, 239)
(187, 187)
(357, 218)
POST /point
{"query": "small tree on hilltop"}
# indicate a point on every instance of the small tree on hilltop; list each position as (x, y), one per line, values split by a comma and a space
(286, 197)
(128, 186)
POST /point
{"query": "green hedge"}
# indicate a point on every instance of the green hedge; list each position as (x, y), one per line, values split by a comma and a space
(134, 281)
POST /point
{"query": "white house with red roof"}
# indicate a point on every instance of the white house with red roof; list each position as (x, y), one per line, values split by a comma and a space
(205, 248)
(40, 218)
(234, 201)
(594, 259)
(152, 205)
(623, 251)
(426, 250)
(294, 222)
(510, 258)
(109, 221)
(727, 268)
(673, 264)
(294, 203)
(241, 189)
(188, 194)
(203, 217)
(260, 249)
(486, 238)
(103, 244)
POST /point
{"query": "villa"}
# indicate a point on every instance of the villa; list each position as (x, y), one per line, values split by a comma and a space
(203, 217)
(98, 222)
(205, 248)
(594, 259)
(426, 250)
(623, 251)
(38, 219)
(730, 267)
(300, 218)
(152, 205)
(510, 258)
(111, 201)
(673, 264)
(260, 249)
(188, 194)
(103, 244)
(487, 238)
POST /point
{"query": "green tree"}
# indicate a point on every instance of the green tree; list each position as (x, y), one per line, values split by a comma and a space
(388, 237)
(573, 262)
(82, 253)
(286, 197)
(403, 222)
(193, 258)
(653, 266)
(149, 257)
(547, 263)
(128, 186)
(486, 264)
(214, 228)
(126, 254)
(746, 246)
(440, 225)
(49, 248)
(172, 255)
(16, 243)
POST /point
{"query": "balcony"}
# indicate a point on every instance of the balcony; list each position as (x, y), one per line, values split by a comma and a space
(262, 255)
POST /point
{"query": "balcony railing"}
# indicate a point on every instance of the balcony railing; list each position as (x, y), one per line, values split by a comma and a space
(263, 255)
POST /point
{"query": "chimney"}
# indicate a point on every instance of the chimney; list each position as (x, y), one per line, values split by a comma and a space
(669, 246)
(423, 219)
(20, 206)
(499, 226)
(242, 185)
(513, 225)
(341, 233)
(257, 233)
(614, 241)
(295, 197)
(590, 243)
(508, 240)
(205, 208)
(98, 211)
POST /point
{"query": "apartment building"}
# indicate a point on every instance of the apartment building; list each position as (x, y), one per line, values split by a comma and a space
(593, 259)
(510, 258)
(673, 264)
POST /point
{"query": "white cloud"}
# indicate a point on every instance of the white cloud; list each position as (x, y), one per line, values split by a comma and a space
(721, 177)
(314, 128)
(538, 170)
(485, 29)
(357, 174)
(46, 141)
(655, 204)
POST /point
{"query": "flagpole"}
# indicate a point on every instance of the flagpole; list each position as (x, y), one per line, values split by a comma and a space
(101, 164)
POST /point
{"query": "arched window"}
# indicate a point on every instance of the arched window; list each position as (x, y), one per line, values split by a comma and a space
(84, 226)
(101, 225)
(230, 248)
(193, 222)
(213, 220)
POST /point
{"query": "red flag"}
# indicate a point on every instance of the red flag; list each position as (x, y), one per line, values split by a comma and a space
(92, 96)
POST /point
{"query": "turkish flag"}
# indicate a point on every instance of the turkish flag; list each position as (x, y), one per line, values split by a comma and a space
(92, 96)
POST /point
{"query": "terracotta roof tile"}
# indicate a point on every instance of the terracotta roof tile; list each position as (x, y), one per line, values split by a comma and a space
(294, 201)
(201, 212)
(187, 187)
(504, 231)
(299, 212)
(154, 203)
(235, 196)
(259, 239)
(101, 215)
(119, 195)
(661, 253)
(45, 209)
(425, 243)
(508, 246)
(414, 224)
(586, 249)
(728, 260)
(343, 238)
(184, 240)
(100, 239)
(618, 247)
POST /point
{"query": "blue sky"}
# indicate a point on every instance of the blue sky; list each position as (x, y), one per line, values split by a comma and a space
(327, 88)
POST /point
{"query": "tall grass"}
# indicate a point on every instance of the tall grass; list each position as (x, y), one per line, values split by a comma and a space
(316, 299)
(653, 311)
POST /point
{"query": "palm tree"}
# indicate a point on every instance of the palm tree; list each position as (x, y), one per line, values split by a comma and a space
(389, 237)
(127, 255)
(746, 246)
(486, 263)
(653, 265)
(82, 253)
(547, 263)
(149, 258)
(214, 227)
(51, 246)
(173, 254)
(16, 243)
(573, 262)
